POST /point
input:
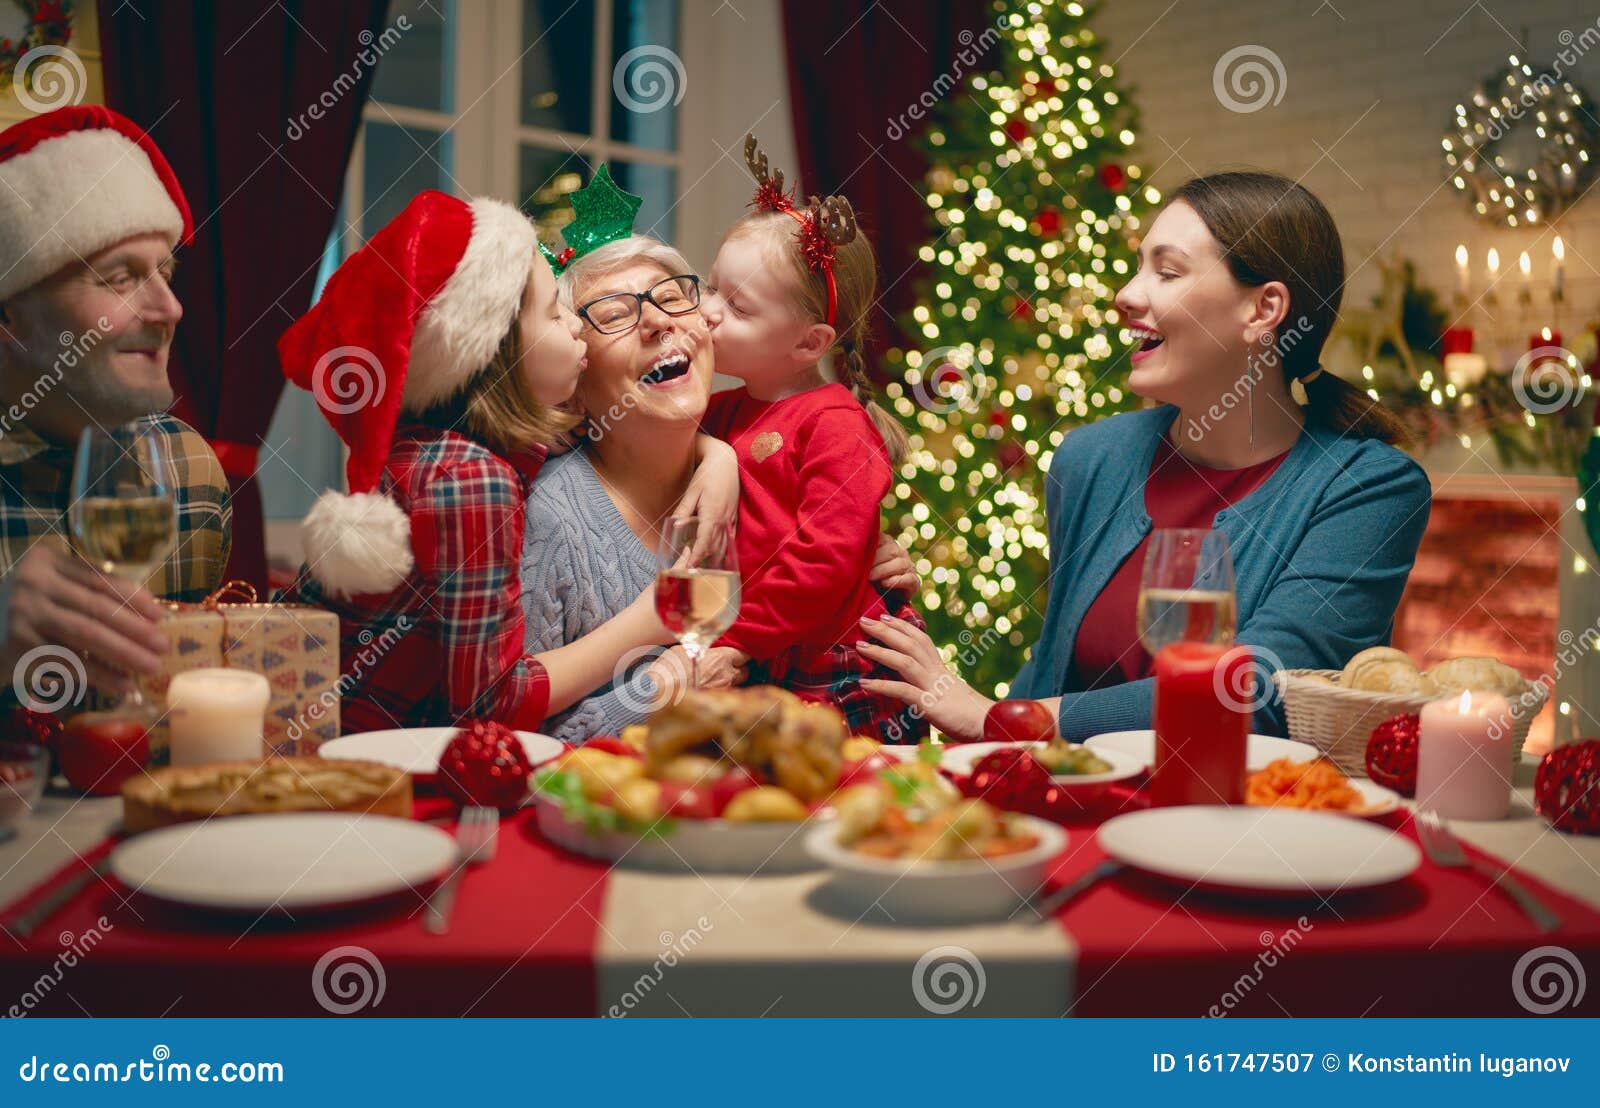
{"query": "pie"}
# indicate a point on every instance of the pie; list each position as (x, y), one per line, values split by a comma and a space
(176, 794)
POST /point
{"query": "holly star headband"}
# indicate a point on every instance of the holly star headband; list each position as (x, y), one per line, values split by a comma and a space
(824, 224)
(602, 213)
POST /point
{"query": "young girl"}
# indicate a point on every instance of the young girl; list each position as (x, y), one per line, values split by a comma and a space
(439, 352)
(788, 287)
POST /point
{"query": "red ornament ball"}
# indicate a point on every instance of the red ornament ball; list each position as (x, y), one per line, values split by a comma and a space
(1013, 780)
(1392, 753)
(1022, 309)
(1566, 789)
(1049, 221)
(485, 764)
(1044, 88)
(1112, 177)
(1018, 129)
(1011, 456)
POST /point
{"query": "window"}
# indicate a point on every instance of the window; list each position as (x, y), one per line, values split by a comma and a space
(519, 99)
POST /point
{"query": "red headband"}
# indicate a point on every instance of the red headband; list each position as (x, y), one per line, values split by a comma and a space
(824, 224)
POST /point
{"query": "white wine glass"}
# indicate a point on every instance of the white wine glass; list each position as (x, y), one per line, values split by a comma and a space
(697, 584)
(124, 512)
(1186, 593)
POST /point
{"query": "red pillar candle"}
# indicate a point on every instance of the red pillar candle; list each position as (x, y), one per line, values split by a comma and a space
(1455, 340)
(1202, 723)
(1540, 339)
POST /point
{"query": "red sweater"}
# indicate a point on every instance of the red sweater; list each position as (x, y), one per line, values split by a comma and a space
(813, 470)
(1178, 493)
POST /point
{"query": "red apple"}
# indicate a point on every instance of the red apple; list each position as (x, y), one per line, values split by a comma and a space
(1019, 721)
(729, 785)
(100, 751)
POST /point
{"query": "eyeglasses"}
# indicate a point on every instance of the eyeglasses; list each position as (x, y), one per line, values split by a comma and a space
(619, 312)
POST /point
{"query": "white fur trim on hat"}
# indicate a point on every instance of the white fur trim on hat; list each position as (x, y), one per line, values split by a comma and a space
(74, 195)
(461, 328)
(358, 543)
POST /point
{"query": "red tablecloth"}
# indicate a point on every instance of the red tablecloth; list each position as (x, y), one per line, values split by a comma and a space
(527, 928)
(1444, 942)
(530, 954)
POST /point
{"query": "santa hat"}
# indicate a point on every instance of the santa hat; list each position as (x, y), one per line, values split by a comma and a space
(406, 322)
(74, 181)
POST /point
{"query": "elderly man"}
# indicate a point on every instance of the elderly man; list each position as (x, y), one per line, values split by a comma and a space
(90, 213)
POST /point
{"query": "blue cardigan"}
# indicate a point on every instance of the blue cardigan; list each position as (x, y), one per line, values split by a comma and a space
(1321, 552)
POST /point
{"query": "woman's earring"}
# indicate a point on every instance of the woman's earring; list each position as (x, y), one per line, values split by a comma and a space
(1252, 399)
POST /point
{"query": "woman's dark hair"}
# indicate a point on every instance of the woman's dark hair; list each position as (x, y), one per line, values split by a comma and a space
(1272, 229)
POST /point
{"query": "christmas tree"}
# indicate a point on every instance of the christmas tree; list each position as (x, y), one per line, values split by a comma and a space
(1035, 218)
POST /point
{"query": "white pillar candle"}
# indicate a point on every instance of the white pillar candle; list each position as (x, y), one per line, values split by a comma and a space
(217, 715)
(1464, 757)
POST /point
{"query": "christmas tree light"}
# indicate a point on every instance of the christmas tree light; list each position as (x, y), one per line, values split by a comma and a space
(1036, 216)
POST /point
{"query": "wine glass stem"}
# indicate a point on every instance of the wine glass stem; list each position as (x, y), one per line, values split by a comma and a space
(694, 649)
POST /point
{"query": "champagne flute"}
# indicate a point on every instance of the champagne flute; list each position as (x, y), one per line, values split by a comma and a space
(697, 584)
(124, 513)
(1186, 593)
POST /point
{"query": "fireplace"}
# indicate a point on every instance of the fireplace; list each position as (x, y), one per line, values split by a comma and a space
(1486, 580)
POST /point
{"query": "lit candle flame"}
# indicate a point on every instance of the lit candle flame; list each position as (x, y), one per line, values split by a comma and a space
(1465, 704)
(1461, 255)
(1525, 264)
(1494, 261)
(1559, 249)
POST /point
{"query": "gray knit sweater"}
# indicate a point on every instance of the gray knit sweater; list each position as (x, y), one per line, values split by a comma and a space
(581, 565)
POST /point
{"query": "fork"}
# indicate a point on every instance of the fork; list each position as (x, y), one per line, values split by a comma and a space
(1444, 849)
(476, 833)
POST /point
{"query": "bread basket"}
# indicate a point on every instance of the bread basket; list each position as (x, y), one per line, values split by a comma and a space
(1338, 721)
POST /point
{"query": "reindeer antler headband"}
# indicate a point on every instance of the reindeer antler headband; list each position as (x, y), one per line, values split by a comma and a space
(825, 224)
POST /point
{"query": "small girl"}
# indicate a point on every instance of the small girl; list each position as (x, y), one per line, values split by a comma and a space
(439, 354)
(788, 287)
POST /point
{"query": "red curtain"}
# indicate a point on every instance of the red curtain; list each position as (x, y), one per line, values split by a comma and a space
(224, 89)
(859, 72)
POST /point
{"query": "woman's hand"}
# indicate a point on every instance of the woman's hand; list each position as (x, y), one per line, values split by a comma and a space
(721, 667)
(944, 700)
(892, 570)
(713, 493)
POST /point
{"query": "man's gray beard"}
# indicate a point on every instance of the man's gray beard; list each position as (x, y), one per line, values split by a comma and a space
(110, 401)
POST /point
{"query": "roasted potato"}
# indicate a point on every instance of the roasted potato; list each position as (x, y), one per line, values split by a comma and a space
(764, 803)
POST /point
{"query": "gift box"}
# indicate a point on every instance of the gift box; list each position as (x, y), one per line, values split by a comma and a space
(295, 646)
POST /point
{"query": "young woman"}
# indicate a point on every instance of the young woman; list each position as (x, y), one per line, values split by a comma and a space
(1238, 285)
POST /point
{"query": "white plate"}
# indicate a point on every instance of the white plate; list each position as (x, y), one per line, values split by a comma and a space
(938, 892)
(690, 846)
(1266, 850)
(1258, 751)
(417, 749)
(288, 863)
